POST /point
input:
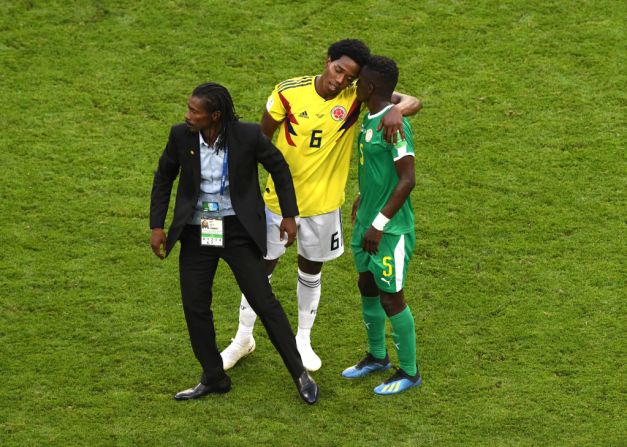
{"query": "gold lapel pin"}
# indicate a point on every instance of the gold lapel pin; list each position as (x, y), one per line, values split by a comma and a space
(191, 152)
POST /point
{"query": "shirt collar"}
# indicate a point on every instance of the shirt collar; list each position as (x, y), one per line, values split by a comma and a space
(203, 143)
(385, 109)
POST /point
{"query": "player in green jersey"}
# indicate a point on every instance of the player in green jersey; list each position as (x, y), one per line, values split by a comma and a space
(383, 233)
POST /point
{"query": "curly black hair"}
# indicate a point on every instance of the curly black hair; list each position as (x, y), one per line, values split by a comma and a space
(353, 48)
(386, 70)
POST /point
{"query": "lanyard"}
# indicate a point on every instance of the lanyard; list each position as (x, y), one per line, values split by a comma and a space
(224, 172)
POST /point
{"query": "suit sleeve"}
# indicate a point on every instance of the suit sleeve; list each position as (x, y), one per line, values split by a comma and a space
(272, 160)
(166, 173)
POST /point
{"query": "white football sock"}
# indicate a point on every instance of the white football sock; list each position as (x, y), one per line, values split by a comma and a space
(308, 291)
(247, 318)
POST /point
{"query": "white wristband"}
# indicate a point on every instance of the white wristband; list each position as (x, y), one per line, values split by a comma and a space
(380, 221)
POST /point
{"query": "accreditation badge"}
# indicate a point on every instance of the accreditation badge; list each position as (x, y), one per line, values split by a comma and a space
(211, 232)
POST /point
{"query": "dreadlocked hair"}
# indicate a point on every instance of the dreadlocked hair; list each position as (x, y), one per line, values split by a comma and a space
(216, 97)
(353, 48)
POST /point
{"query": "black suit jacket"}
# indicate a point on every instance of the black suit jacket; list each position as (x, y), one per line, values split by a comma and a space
(247, 147)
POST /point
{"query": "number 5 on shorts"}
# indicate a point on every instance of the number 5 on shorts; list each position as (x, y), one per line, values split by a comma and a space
(389, 269)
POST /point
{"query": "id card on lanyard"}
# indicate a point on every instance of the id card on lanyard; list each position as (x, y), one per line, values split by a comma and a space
(212, 227)
(211, 232)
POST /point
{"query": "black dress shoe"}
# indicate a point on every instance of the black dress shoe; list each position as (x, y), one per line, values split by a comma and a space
(307, 388)
(200, 390)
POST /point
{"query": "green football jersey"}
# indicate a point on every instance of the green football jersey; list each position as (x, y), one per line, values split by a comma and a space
(377, 174)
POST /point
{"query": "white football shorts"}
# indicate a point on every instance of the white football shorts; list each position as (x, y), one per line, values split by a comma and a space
(319, 237)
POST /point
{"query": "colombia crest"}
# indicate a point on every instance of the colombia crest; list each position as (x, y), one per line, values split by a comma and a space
(338, 113)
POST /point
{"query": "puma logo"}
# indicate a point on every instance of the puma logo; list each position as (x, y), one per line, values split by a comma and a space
(387, 281)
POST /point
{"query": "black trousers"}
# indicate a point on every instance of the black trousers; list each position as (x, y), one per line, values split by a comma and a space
(197, 267)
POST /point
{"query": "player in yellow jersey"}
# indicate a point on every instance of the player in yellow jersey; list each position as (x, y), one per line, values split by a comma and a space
(315, 136)
(317, 120)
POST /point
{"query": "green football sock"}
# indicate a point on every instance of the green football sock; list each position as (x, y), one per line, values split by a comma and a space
(374, 318)
(404, 335)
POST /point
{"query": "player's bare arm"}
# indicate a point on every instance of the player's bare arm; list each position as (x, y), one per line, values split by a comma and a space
(406, 182)
(269, 125)
(354, 210)
(407, 104)
(392, 122)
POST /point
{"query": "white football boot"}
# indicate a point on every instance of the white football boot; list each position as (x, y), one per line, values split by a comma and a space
(235, 352)
(311, 361)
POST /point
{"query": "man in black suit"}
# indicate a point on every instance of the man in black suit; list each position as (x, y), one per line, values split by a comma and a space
(216, 156)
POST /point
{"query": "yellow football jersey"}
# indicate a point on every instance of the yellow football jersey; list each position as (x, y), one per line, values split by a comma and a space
(316, 137)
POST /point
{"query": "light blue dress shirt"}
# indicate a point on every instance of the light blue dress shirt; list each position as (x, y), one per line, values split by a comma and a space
(211, 170)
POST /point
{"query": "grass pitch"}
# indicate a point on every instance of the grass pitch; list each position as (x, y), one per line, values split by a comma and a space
(518, 278)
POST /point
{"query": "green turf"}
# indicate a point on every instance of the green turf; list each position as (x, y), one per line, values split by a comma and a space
(518, 279)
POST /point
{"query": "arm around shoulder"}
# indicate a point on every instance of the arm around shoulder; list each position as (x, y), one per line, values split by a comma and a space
(406, 104)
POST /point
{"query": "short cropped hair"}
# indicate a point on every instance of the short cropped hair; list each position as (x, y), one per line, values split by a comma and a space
(387, 72)
(353, 48)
